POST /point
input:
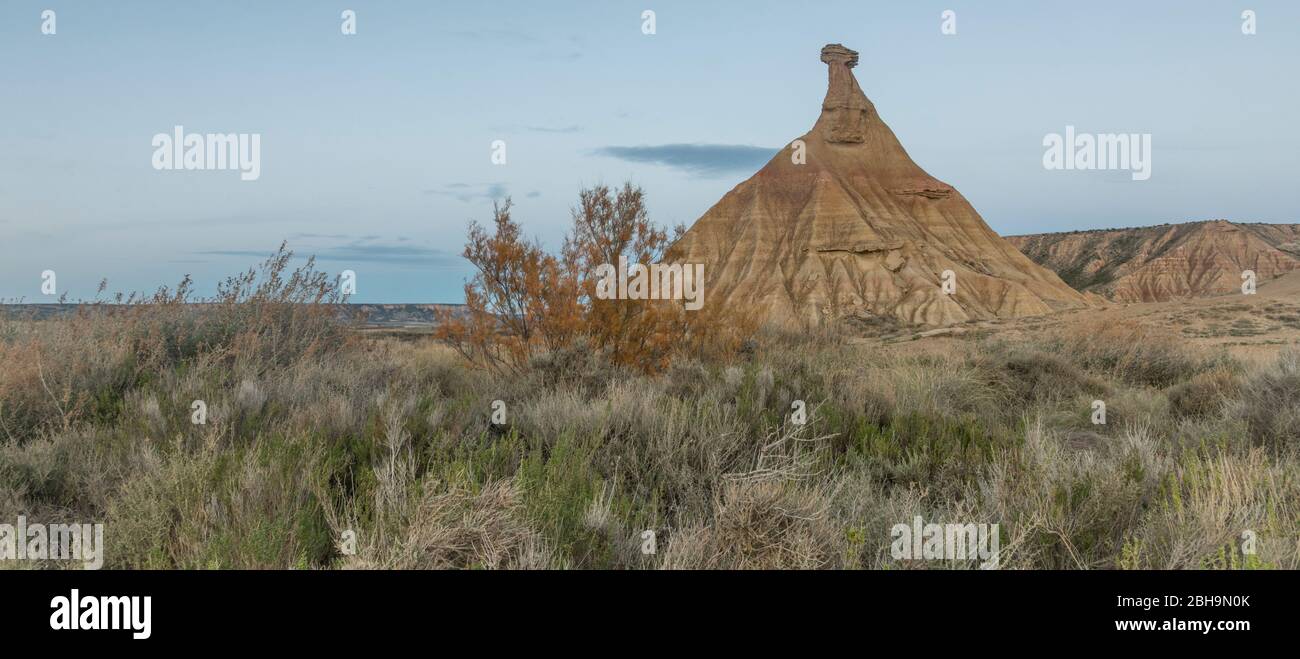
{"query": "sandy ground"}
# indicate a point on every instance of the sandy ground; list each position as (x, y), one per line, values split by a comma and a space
(1251, 327)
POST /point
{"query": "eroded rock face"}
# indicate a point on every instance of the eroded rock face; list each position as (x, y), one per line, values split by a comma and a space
(859, 228)
(845, 110)
(1169, 262)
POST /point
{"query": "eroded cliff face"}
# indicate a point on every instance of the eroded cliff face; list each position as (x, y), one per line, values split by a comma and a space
(858, 228)
(1152, 264)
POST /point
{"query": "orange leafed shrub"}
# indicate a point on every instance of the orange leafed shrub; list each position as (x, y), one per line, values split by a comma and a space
(523, 301)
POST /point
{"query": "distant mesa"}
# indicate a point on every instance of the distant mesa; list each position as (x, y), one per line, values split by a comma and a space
(392, 316)
(858, 229)
(1167, 262)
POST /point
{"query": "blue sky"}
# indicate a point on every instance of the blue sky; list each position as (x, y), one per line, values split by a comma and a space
(375, 148)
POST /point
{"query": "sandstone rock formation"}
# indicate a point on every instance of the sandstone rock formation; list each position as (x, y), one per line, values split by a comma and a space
(858, 228)
(1178, 261)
